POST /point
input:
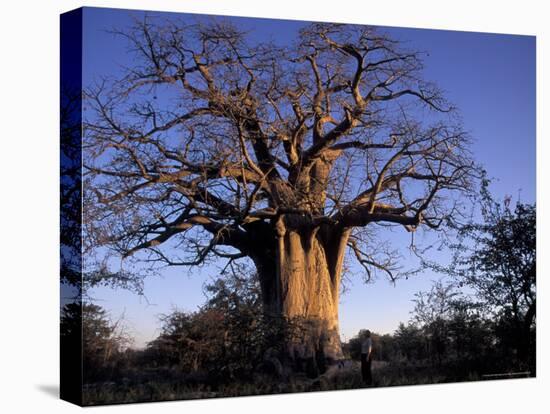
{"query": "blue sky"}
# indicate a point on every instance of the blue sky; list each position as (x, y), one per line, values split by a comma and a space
(489, 77)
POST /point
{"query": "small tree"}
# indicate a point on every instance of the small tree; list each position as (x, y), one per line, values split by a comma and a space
(87, 329)
(190, 342)
(432, 311)
(410, 342)
(497, 259)
(226, 338)
(452, 324)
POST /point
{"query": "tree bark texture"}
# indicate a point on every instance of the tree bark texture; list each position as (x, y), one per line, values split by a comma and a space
(300, 281)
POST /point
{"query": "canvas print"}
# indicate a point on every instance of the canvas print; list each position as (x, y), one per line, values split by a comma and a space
(259, 206)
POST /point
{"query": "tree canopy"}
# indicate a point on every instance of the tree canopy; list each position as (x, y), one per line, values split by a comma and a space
(212, 141)
(497, 259)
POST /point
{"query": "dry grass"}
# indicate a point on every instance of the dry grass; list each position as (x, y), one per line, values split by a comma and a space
(142, 389)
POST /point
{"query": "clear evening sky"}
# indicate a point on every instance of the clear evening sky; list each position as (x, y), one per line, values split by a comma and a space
(489, 77)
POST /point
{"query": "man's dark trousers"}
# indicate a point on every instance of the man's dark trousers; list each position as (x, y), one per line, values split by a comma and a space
(366, 369)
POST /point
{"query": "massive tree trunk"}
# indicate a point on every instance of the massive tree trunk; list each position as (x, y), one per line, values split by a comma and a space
(300, 280)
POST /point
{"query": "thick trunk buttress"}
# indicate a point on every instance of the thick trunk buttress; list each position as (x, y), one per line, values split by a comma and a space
(301, 283)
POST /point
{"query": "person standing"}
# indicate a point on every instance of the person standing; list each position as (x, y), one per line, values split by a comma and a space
(366, 358)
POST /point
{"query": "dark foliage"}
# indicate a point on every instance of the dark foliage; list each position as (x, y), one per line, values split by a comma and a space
(497, 260)
(101, 341)
(453, 334)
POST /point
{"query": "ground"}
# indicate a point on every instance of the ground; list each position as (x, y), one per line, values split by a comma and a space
(142, 387)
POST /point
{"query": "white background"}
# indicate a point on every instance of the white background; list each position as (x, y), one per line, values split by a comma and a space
(29, 65)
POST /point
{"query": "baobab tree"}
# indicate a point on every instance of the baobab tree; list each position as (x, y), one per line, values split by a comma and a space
(213, 145)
